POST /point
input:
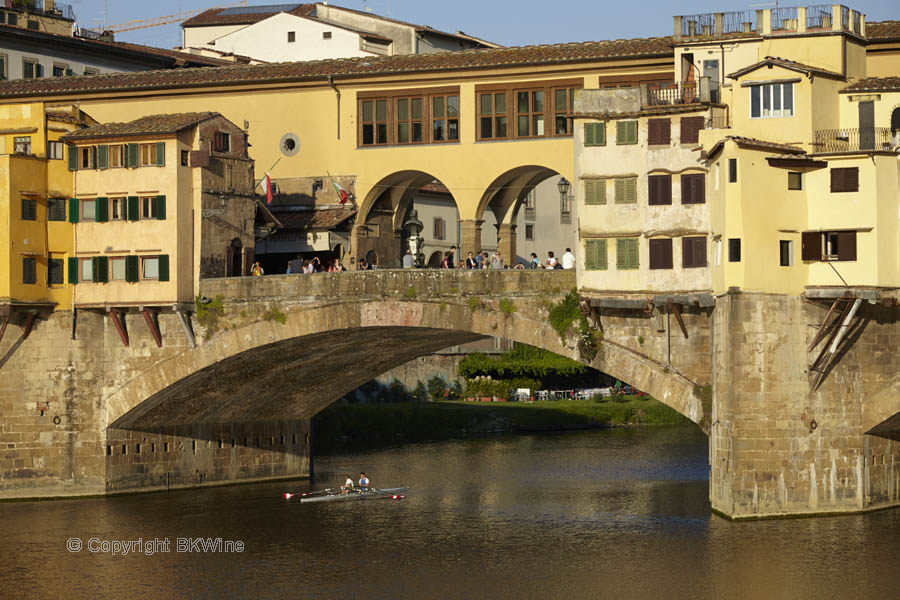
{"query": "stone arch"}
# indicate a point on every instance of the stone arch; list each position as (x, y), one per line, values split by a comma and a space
(266, 369)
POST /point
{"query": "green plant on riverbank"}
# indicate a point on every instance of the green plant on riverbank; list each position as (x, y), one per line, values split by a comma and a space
(521, 361)
(566, 316)
(474, 303)
(207, 313)
(506, 306)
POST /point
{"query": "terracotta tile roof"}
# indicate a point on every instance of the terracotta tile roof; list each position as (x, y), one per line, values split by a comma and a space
(346, 67)
(754, 143)
(153, 124)
(883, 30)
(874, 84)
(173, 57)
(787, 64)
(322, 218)
(246, 15)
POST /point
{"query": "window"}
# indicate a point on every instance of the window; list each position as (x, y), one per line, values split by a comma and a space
(732, 170)
(32, 69)
(626, 132)
(3, 62)
(29, 271)
(150, 267)
(595, 258)
(89, 210)
(529, 231)
(594, 192)
(292, 37)
(595, 134)
(734, 250)
(117, 268)
(492, 115)
(828, 245)
(563, 106)
(326, 35)
(409, 121)
(85, 270)
(87, 157)
(56, 209)
(440, 228)
(445, 118)
(90, 71)
(659, 190)
(222, 142)
(795, 181)
(12, 18)
(530, 113)
(55, 271)
(530, 212)
(693, 188)
(659, 132)
(374, 122)
(29, 209)
(772, 100)
(55, 150)
(661, 254)
(148, 208)
(148, 154)
(32, 24)
(627, 254)
(118, 209)
(626, 190)
(693, 252)
(22, 144)
(690, 129)
(845, 179)
(116, 156)
(185, 158)
(786, 253)
(59, 70)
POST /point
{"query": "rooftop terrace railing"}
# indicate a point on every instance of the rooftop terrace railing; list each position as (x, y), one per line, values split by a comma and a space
(666, 94)
(771, 21)
(854, 140)
(57, 10)
(785, 19)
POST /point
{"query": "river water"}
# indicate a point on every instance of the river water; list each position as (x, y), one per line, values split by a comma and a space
(617, 513)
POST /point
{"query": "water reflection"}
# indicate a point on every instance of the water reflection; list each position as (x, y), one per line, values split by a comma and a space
(620, 513)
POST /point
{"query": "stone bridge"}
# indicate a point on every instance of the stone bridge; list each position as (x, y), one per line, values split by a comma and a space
(228, 396)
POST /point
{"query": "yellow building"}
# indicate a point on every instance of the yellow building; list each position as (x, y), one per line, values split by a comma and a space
(35, 238)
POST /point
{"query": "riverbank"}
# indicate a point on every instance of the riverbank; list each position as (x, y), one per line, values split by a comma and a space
(347, 425)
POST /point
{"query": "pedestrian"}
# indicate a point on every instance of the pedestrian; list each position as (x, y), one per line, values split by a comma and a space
(497, 260)
(256, 270)
(361, 265)
(452, 261)
(339, 266)
(408, 260)
(485, 260)
(479, 261)
(471, 263)
(296, 265)
(568, 259)
(446, 262)
(534, 263)
(551, 261)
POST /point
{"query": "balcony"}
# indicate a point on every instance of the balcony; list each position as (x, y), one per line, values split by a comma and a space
(47, 8)
(771, 21)
(855, 140)
(670, 94)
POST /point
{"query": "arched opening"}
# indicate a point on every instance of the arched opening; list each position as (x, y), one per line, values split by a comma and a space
(434, 261)
(234, 259)
(372, 259)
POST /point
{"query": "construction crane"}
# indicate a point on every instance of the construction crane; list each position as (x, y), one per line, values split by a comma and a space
(164, 20)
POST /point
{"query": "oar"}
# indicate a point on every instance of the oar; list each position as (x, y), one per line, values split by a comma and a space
(289, 495)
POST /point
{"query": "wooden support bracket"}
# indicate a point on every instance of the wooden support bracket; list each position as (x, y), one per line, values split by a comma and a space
(824, 326)
(815, 365)
(116, 316)
(3, 327)
(29, 322)
(153, 326)
(676, 310)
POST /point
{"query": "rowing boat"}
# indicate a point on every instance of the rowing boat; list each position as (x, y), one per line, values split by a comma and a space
(332, 495)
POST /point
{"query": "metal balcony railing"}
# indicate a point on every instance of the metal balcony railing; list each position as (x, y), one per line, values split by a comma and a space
(785, 19)
(664, 94)
(854, 140)
(39, 7)
(818, 16)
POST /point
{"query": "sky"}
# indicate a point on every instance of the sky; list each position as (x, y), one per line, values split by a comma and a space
(519, 23)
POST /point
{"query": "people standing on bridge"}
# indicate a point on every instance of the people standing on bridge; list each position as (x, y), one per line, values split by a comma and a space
(296, 265)
(485, 260)
(446, 262)
(568, 259)
(339, 266)
(497, 260)
(452, 262)
(256, 270)
(408, 260)
(471, 263)
(361, 265)
(551, 261)
(534, 263)
(479, 261)
(363, 482)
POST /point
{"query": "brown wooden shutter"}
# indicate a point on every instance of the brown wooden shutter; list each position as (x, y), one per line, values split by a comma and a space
(811, 245)
(693, 189)
(661, 254)
(690, 129)
(845, 179)
(693, 252)
(659, 131)
(847, 245)
(652, 198)
(659, 189)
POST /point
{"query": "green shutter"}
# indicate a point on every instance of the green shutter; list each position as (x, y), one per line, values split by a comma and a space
(631, 190)
(102, 210)
(160, 208)
(595, 192)
(131, 269)
(595, 134)
(627, 253)
(73, 270)
(133, 155)
(163, 267)
(595, 255)
(73, 158)
(101, 269)
(134, 208)
(102, 157)
(160, 154)
(626, 132)
(73, 210)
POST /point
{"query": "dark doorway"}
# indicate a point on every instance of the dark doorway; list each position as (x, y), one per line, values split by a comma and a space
(895, 125)
(867, 125)
(235, 259)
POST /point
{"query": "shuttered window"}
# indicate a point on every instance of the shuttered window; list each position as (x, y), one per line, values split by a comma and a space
(55, 270)
(845, 179)
(626, 190)
(659, 190)
(595, 258)
(627, 254)
(661, 254)
(594, 192)
(595, 134)
(693, 252)
(29, 271)
(811, 245)
(56, 209)
(693, 189)
(690, 129)
(659, 132)
(734, 250)
(440, 228)
(29, 209)
(131, 269)
(626, 132)
(828, 245)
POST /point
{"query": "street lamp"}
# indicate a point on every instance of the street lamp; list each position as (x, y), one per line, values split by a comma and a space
(563, 186)
(414, 227)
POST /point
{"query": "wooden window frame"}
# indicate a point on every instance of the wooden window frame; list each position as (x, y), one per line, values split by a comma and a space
(118, 208)
(529, 231)
(659, 132)
(143, 262)
(534, 114)
(445, 117)
(82, 202)
(410, 120)
(659, 190)
(391, 121)
(768, 91)
(29, 270)
(439, 228)
(64, 67)
(789, 245)
(147, 155)
(374, 122)
(795, 180)
(548, 112)
(221, 142)
(23, 142)
(693, 188)
(37, 69)
(59, 269)
(113, 260)
(565, 114)
(291, 37)
(56, 209)
(118, 152)
(87, 157)
(148, 208)
(590, 134)
(844, 179)
(493, 117)
(81, 262)
(602, 255)
(28, 208)
(660, 253)
(818, 246)
(56, 150)
(691, 257)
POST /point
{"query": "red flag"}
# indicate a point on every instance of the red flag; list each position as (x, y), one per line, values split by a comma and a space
(341, 192)
(268, 185)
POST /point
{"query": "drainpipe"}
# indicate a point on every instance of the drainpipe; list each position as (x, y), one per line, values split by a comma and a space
(668, 339)
(338, 95)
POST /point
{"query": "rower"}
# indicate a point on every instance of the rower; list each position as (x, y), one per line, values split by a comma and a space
(348, 486)
(363, 482)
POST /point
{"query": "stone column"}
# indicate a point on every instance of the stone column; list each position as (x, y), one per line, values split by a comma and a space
(506, 243)
(469, 237)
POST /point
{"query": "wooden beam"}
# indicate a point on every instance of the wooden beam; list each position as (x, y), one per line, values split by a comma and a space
(815, 365)
(154, 328)
(29, 321)
(824, 325)
(3, 327)
(676, 310)
(116, 317)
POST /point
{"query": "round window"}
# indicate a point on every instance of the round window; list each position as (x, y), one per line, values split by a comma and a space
(290, 144)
